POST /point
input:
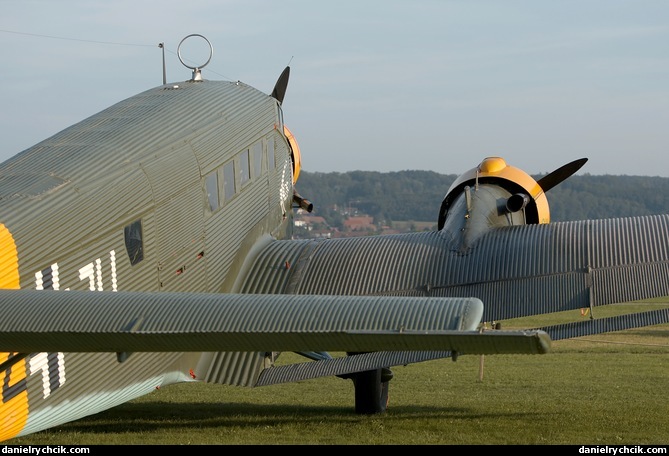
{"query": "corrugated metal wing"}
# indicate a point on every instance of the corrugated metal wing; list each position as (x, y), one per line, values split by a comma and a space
(515, 271)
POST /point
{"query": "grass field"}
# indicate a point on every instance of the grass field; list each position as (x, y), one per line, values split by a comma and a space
(598, 390)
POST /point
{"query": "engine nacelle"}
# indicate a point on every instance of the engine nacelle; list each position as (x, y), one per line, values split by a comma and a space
(525, 193)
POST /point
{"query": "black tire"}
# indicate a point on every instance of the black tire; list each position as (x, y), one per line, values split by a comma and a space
(371, 391)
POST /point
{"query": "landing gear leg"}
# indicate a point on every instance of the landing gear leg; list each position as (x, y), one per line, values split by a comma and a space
(371, 391)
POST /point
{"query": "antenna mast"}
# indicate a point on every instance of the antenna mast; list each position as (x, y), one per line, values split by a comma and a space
(162, 46)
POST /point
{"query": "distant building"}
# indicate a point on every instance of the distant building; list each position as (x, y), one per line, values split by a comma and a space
(309, 226)
(310, 221)
(359, 223)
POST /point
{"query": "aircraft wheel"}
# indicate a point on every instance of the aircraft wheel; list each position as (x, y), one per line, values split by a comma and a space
(371, 391)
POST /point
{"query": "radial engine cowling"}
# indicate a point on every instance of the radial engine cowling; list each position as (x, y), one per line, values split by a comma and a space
(526, 193)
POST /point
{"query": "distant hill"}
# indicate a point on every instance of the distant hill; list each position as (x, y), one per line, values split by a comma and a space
(417, 195)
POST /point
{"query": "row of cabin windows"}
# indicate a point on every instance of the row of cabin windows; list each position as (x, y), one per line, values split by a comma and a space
(225, 182)
(251, 165)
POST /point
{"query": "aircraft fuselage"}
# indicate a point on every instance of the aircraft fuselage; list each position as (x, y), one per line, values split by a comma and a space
(208, 169)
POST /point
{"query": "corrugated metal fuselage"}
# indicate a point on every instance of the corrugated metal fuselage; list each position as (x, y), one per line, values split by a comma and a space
(190, 158)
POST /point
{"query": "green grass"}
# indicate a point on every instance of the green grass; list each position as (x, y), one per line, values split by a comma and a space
(597, 390)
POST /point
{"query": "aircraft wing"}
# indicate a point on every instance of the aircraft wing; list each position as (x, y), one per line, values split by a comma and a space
(516, 270)
(607, 324)
(84, 321)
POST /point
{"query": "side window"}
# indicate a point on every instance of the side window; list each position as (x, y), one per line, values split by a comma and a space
(229, 180)
(270, 154)
(134, 243)
(256, 159)
(244, 167)
(211, 184)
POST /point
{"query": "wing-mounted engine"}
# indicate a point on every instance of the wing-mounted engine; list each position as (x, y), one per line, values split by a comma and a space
(495, 194)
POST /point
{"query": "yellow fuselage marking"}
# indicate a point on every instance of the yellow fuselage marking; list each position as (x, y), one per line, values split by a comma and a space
(14, 405)
(9, 260)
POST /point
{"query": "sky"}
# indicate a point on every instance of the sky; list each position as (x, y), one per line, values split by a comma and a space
(375, 85)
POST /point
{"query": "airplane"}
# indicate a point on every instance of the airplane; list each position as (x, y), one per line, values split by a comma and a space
(150, 244)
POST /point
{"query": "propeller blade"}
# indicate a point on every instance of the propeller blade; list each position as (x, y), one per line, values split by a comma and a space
(550, 180)
(281, 85)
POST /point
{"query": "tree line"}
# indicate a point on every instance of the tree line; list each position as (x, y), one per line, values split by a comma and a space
(417, 195)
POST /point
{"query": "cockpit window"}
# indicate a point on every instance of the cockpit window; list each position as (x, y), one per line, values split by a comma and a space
(256, 159)
(134, 244)
(229, 187)
(270, 154)
(211, 184)
(244, 167)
